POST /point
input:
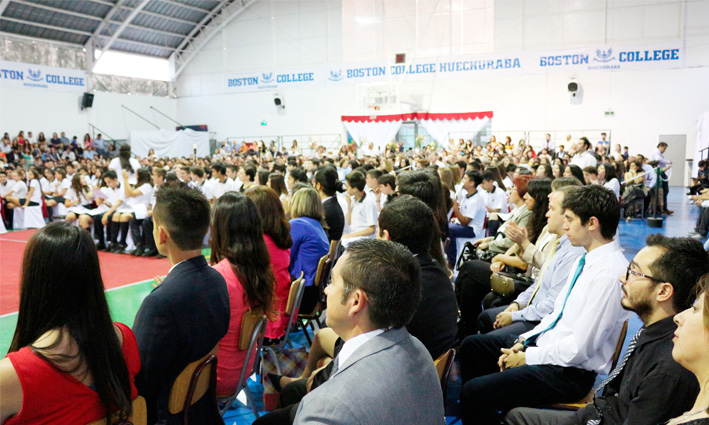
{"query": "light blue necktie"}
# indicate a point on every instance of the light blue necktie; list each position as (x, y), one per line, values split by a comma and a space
(533, 338)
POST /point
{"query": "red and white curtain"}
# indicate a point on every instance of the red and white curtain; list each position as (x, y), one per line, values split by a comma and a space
(382, 129)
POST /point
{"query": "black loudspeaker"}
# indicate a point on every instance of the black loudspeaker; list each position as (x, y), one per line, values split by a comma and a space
(277, 101)
(573, 87)
(87, 101)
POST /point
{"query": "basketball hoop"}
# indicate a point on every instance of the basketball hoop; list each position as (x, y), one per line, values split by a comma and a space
(373, 111)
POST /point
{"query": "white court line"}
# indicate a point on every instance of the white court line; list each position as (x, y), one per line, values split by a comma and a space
(12, 240)
(107, 290)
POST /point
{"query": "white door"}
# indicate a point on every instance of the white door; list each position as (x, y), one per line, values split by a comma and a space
(676, 145)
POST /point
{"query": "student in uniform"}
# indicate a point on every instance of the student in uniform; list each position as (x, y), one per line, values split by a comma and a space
(137, 201)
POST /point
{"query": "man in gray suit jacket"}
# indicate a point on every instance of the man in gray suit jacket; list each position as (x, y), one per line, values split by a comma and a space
(382, 375)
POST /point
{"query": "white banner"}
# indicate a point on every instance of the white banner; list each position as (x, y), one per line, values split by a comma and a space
(169, 143)
(594, 58)
(25, 75)
(275, 79)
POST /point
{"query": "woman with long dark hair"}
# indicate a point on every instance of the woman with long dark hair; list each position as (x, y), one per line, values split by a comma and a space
(277, 182)
(125, 162)
(327, 183)
(78, 200)
(240, 254)
(607, 175)
(67, 362)
(574, 171)
(276, 234)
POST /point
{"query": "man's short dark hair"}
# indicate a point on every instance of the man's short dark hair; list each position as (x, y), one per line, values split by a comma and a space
(299, 175)
(390, 276)
(475, 177)
(232, 167)
(591, 170)
(387, 180)
(487, 176)
(197, 171)
(682, 263)
(110, 174)
(595, 201)
(184, 212)
(586, 143)
(661, 144)
(409, 222)
(462, 164)
(422, 184)
(511, 168)
(219, 167)
(376, 173)
(356, 180)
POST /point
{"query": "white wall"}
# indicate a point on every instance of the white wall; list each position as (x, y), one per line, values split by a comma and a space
(39, 110)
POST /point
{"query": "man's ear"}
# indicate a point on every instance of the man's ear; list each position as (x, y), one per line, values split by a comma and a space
(163, 235)
(593, 224)
(664, 291)
(357, 302)
(384, 234)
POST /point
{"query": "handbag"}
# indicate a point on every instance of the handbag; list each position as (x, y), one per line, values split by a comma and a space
(507, 284)
(292, 362)
(469, 253)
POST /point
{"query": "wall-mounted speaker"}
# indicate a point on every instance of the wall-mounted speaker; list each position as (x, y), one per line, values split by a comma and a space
(87, 100)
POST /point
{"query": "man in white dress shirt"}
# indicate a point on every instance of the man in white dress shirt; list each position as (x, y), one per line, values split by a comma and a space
(658, 155)
(584, 155)
(558, 360)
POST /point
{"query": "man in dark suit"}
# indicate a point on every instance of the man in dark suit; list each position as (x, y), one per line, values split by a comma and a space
(382, 375)
(184, 318)
(648, 386)
(410, 222)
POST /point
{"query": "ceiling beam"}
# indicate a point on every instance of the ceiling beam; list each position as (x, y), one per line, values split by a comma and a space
(104, 2)
(3, 5)
(228, 12)
(50, 27)
(158, 15)
(58, 10)
(185, 6)
(140, 43)
(106, 47)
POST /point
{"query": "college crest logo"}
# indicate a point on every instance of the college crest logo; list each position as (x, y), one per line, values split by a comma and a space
(335, 75)
(34, 75)
(604, 56)
(267, 78)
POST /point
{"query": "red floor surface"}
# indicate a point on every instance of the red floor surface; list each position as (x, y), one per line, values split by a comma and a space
(116, 269)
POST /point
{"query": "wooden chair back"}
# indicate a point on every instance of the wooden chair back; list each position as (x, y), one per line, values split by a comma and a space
(138, 417)
(249, 320)
(193, 383)
(295, 294)
(444, 363)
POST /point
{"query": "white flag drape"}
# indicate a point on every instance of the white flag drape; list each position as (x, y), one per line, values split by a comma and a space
(378, 132)
(443, 130)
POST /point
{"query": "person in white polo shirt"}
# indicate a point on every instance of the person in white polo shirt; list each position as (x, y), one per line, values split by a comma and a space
(362, 211)
(468, 218)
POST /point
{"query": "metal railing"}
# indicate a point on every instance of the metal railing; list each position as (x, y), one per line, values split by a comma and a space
(537, 138)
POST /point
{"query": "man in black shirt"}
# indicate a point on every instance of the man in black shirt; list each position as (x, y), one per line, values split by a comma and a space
(647, 387)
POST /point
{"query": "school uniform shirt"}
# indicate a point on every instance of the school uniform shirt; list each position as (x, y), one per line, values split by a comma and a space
(220, 188)
(139, 204)
(37, 194)
(113, 196)
(613, 185)
(63, 185)
(82, 206)
(5, 188)
(205, 188)
(364, 214)
(19, 190)
(115, 165)
(583, 160)
(496, 200)
(46, 185)
(473, 207)
(587, 334)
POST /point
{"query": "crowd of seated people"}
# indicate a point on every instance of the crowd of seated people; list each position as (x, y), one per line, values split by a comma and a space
(545, 221)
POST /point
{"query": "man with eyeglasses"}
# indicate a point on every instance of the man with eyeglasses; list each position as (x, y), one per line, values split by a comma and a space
(647, 386)
(558, 360)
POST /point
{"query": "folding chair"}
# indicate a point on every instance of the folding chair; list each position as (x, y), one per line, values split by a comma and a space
(253, 328)
(444, 363)
(138, 417)
(295, 296)
(321, 277)
(589, 397)
(193, 383)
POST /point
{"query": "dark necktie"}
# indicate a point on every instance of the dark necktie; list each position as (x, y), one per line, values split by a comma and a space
(618, 369)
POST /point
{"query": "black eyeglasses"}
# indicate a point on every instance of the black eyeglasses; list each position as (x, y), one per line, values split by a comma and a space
(628, 272)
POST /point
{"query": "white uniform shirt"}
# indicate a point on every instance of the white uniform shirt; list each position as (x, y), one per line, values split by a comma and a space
(587, 334)
(219, 188)
(496, 200)
(364, 215)
(37, 194)
(4, 188)
(473, 207)
(19, 189)
(586, 159)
